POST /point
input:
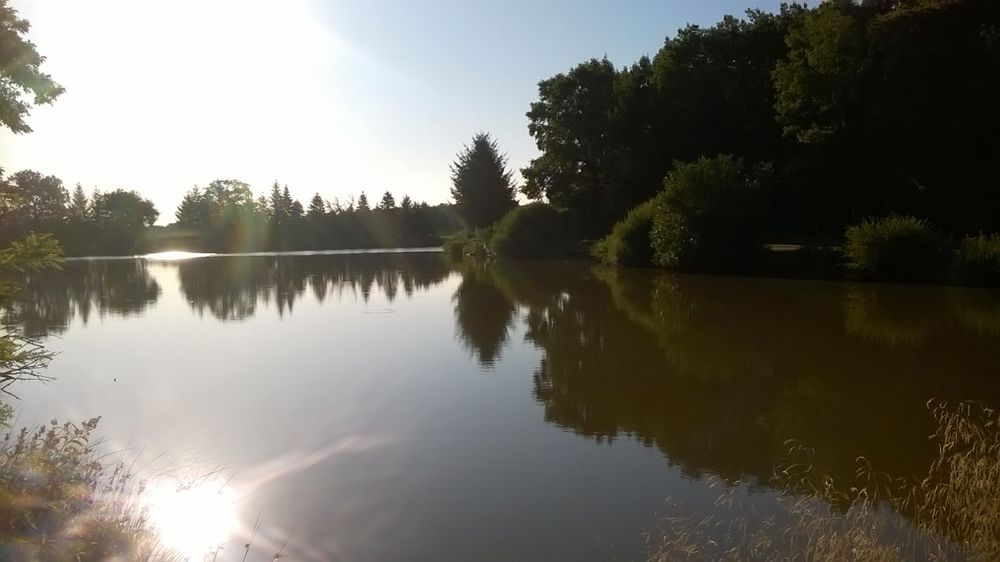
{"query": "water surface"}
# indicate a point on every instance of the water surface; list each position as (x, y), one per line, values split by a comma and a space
(398, 406)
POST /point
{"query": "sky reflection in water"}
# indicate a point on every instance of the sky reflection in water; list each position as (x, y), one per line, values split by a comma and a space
(391, 406)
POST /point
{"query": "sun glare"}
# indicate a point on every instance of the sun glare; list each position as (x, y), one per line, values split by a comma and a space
(191, 520)
(174, 255)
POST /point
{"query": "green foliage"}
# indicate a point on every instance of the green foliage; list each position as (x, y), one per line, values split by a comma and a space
(537, 230)
(896, 248)
(468, 243)
(482, 186)
(708, 216)
(819, 79)
(20, 72)
(629, 242)
(977, 261)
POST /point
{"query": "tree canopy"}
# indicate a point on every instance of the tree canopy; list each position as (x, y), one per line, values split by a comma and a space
(22, 82)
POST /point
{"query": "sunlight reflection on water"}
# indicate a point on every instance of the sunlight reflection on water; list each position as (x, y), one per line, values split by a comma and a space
(191, 518)
(174, 256)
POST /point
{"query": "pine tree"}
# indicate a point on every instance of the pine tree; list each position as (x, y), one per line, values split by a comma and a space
(482, 186)
(388, 202)
(406, 204)
(78, 204)
(317, 207)
(363, 202)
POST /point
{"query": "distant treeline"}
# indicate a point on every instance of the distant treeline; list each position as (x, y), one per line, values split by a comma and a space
(223, 217)
(861, 109)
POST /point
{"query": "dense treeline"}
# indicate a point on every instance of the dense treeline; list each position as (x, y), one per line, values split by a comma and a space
(226, 217)
(223, 217)
(854, 109)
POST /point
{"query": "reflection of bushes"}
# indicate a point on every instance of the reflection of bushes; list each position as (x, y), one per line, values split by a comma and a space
(954, 512)
(886, 317)
(977, 311)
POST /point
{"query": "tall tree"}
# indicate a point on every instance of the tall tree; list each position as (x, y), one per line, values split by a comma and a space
(20, 72)
(39, 199)
(388, 202)
(317, 207)
(482, 186)
(572, 123)
(78, 204)
(363, 202)
(195, 209)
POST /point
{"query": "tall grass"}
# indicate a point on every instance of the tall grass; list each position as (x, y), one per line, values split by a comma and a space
(953, 513)
(59, 500)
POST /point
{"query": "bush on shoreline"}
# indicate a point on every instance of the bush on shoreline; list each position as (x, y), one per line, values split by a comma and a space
(537, 230)
(629, 242)
(896, 248)
(977, 261)
(706, 218)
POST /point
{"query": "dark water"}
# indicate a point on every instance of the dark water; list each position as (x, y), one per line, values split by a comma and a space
(401, 407)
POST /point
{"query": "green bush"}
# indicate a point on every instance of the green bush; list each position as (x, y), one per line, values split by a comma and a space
(708, 215)
(977, 261)
(896, 248)
(532, 231)
(466, 243)
(629, 242)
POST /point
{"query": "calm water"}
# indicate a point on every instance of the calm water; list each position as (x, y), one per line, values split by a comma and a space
(401, 407)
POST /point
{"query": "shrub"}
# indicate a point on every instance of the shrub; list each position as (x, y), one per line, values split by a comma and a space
(629, 242)
(977, 261)
(707, 216)
(532, 231)
(461, 244)
(896, 248)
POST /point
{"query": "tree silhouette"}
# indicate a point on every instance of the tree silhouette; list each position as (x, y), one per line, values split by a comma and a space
(317, 207)
(482, 186)
(388, 202)
(78, 204)
(363, 202)
(38, 199)
(20, 72)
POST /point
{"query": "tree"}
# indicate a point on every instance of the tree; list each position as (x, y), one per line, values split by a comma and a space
(388, 202)
(119, 218)
(362, 202)
(406, 204)
(482, 186)
(20, 72)
(78, 204)
(38, 199)
(278, 205)
(121, 209)
(196, 208)
(572, 123)
(317, 207)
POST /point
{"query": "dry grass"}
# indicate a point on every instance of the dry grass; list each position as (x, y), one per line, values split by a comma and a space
(951, 514)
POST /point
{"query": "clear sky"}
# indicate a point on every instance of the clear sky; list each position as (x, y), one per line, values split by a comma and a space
(328, 96)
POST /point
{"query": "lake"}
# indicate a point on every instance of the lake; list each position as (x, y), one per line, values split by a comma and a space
(402, 406)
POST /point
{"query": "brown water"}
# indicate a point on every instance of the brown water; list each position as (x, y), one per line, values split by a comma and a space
(402, 407)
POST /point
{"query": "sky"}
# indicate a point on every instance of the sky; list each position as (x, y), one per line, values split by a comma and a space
(327, 96)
